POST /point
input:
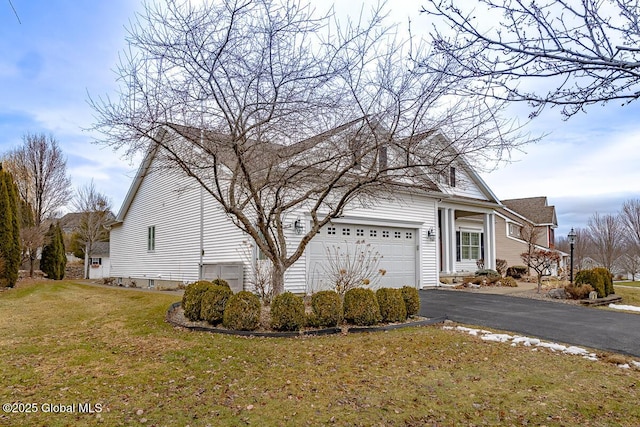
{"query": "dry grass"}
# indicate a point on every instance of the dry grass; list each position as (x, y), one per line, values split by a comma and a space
(63, 343)
(630, 296)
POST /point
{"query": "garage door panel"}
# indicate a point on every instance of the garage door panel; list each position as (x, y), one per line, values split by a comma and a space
(397, 247)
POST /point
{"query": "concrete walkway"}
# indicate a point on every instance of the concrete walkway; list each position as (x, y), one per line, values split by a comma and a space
(551, 321)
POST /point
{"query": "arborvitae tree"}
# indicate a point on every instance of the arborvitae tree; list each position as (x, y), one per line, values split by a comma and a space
(54, 259)
(9, 230)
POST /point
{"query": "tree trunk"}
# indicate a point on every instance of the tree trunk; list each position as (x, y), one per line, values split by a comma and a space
(539, 283)
(87, 260)
(277, 278)
(32, 261)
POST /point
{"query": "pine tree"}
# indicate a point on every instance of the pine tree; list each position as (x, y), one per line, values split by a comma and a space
(9, 230)
(54, 260)
(46, 258)
(61, 256)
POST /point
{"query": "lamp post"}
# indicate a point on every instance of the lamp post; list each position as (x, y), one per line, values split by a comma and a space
(572, 239)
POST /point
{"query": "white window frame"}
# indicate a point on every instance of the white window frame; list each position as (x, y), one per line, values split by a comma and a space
(470, 250)
(151, 238)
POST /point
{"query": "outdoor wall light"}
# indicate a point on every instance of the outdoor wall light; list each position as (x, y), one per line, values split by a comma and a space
(298, 227)
(431, 234)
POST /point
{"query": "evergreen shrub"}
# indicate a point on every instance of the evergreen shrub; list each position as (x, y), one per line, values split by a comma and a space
(287, 312)
(361, 307)
(517, 271)
(593, 278)
(221, 282)
(391, 303)
(242, 312)
(487, 272)
(53, 261)
(607, 279)
(213, 303)
(192, 299)
(411, 300)
(327, 309)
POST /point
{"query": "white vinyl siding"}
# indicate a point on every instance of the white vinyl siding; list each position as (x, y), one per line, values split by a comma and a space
(172, 203)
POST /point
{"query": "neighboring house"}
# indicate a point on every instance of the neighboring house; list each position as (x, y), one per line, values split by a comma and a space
(169, 231)
(521, 221)
(99, 263)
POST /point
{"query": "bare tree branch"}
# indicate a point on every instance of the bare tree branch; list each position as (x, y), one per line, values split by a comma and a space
(587, 51)
(95, 210)
(274, 109)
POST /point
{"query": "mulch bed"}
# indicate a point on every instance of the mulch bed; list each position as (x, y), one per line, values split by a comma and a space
(175, 316)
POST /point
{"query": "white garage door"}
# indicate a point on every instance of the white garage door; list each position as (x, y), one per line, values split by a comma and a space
(397, 247)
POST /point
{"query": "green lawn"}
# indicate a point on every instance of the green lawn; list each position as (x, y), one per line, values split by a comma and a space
(630, 296)
(68, 344)
(633, 284)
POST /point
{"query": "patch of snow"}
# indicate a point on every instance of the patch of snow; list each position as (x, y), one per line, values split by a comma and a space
(576, 350)
(535, 343)
(624, 307)
(496, 337)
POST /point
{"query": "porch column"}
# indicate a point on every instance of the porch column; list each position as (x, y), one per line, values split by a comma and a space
(451, 237)
(444, 235)
(489, 241)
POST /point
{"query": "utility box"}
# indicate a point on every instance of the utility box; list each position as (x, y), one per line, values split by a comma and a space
(232, 272)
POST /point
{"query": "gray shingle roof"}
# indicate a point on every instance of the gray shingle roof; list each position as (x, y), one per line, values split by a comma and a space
(536, 209)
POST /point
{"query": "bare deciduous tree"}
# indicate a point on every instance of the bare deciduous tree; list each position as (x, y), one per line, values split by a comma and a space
(95, 210)
(587, 51)
(606, 238)
(630, 259)
(275, 109)
(40, 171)
(630, 217)
(541, 261)
(530, 234)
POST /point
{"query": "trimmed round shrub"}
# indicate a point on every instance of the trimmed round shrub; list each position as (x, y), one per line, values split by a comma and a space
(213, 304)
(327, 309)
(487, 272)
(361, 307)
(411, 300)
(287, 312)
(391, 303)
(192, 299)
(517, 271)
(221, 282)
(242, 312)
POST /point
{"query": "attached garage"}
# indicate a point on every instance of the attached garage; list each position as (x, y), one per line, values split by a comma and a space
(397, 246)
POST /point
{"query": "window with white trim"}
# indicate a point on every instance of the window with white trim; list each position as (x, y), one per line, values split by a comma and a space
(470, 245)
(514, 230)
(151, 238)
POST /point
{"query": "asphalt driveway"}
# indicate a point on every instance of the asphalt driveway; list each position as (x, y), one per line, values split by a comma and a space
(551, 321)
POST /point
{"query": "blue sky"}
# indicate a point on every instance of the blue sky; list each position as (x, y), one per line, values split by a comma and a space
(64, 50)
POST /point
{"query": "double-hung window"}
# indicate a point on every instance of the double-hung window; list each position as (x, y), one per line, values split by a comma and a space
(151, 238)
(470, 247)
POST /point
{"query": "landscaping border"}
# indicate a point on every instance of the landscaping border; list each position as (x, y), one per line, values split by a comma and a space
(314, 332)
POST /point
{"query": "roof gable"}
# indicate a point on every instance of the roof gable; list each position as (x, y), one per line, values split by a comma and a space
(535, 209)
